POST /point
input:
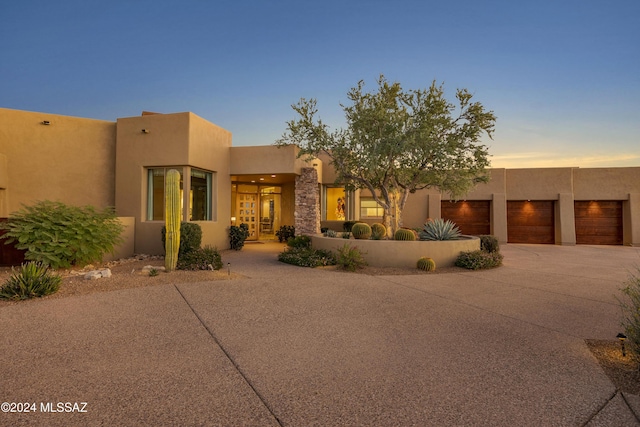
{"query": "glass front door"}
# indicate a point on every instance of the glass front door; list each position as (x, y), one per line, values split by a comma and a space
(247, 212)
(270, 214)
(259, 207)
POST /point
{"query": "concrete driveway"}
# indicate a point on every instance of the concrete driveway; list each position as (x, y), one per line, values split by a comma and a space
(310, 347)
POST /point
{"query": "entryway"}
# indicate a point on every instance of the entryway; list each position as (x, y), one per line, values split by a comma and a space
(258, 206)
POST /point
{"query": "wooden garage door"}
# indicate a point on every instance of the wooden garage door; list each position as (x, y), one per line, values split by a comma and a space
(471, 216)
(598, 222)
(530, 222)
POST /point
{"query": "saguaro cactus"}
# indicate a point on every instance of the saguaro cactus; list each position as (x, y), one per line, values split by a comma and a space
(172, 219)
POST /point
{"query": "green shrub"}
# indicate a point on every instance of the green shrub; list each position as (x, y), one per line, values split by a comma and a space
(404, 234)
(346, 234)
(200, 259)
(285, 232)
(378, 231)
(439, 229)
(306, 257)
(299, 242)
(426, 264)
(630, 305)
(33, 280)
(237, 236)
(60, 236)
(349, 258)
(477, 260)
(190, 237)
(489, 243)
(348, 225)
(361, 230)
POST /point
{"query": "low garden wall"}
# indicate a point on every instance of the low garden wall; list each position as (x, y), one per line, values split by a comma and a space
(400, 253)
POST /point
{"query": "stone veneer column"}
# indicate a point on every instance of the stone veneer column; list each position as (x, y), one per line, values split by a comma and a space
(307, 202)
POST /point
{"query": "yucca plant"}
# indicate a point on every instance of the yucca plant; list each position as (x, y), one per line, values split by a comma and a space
(439, 229)
(33, 280)
(378, 231)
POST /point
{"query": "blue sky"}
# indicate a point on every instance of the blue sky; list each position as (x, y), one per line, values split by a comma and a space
(563, 77)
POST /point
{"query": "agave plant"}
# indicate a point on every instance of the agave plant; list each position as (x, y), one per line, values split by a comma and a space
(439, 229)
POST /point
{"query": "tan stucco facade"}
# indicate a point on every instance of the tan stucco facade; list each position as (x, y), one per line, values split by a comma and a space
(82, 161)
(171, 140)
(70, 159)
(562, 186)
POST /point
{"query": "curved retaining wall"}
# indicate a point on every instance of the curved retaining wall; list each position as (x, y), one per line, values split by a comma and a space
(397, 253)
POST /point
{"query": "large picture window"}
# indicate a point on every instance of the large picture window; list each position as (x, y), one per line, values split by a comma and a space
(335, 204)
(200, 194)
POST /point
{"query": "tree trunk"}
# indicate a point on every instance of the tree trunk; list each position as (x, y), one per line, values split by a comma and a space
(392, 218)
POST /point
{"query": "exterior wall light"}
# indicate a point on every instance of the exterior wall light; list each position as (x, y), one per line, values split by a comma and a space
(145, 130)
(46, 122)
(622, 337)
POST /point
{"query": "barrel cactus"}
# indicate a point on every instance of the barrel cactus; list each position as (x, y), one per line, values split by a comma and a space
(378, 231)
(404, 234)
(361, 230)
(172, 219)
(426, 264)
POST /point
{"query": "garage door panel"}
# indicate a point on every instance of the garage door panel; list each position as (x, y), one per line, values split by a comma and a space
(531, 222)
(471, 216)
(598, 222)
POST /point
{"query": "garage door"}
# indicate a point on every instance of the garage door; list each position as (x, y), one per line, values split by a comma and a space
(598, 222)
(471, 216)
(530, 222)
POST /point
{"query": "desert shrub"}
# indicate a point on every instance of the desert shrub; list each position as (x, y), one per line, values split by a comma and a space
(299, 242)
(478, 260)
(324, 230)
(200, 259)
(60, 236)
(33, 280)
(630, 305)
(346, 234)
(348, 225)
(378, 231)
(489, 243)
(190, 237)
(306, 257)
(404, 234)
(361, 230)
(330, 233)
(349, 258)
(285, 232)
(426, 264)
(237, 236)
(439, 229)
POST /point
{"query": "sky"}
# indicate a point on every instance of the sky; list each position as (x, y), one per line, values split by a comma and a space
(562, 77)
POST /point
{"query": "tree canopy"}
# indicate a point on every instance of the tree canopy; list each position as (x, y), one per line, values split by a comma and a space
(399, 141)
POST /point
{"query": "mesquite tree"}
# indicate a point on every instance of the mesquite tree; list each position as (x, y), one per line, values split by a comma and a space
(397, 142)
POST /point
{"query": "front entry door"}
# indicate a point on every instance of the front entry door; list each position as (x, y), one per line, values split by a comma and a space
(247, 208)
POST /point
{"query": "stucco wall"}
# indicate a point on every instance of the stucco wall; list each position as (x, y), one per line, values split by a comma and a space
(269, 159)
(71, 160)
(606, 183)
(181, 139)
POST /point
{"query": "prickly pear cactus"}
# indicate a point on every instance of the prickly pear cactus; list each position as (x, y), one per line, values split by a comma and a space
(426, 264)
(172, 219)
